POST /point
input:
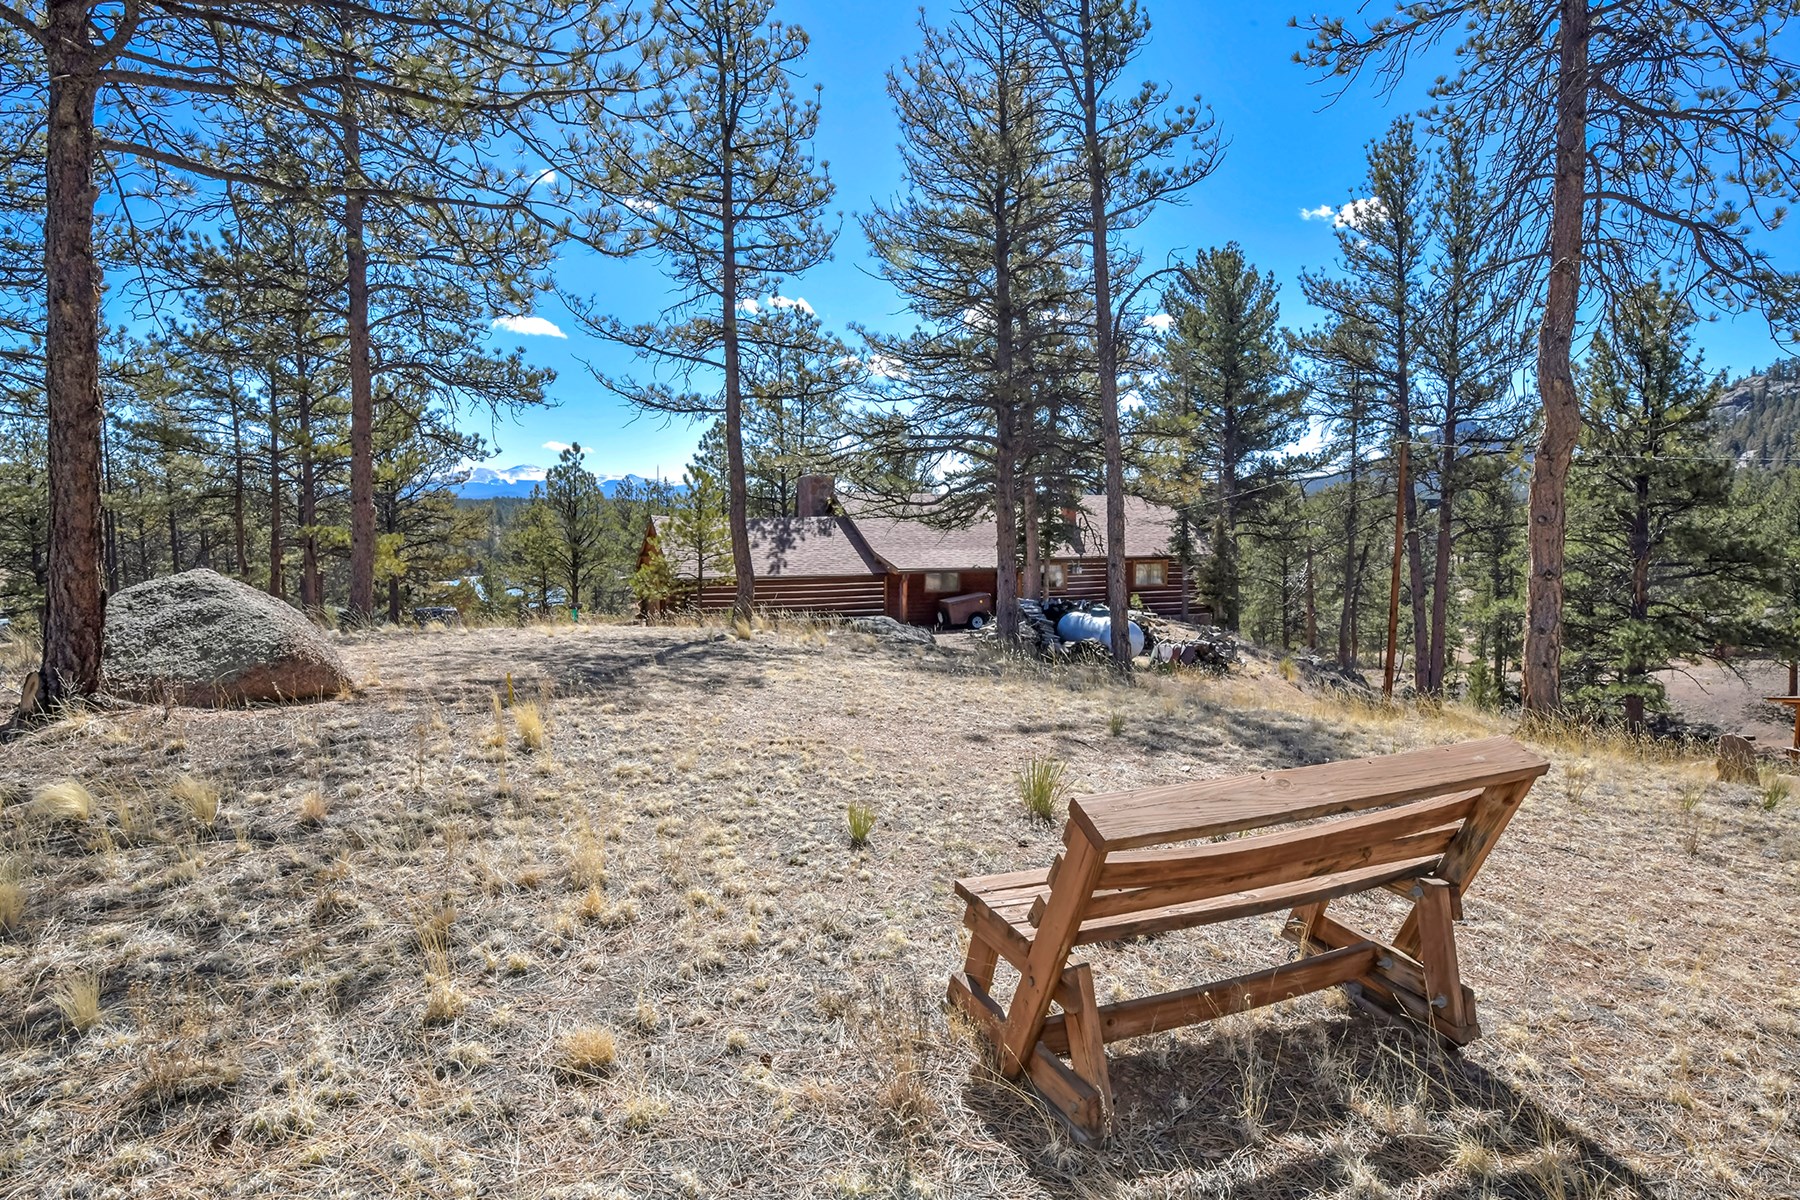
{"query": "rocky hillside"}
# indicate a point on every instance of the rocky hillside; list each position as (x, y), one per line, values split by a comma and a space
(1759, 416)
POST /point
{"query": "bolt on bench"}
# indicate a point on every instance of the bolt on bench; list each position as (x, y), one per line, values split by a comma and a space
(1423, 824)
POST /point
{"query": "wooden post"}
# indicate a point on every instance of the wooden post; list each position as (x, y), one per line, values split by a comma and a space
(1050, 950)
(1437, 952)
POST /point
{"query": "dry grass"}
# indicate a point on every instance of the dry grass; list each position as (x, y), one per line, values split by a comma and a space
(390, 1000)
(588, 1050)
(78, 1000)
(65, 800)
(528, 720)
(14, 892)
(200, 798)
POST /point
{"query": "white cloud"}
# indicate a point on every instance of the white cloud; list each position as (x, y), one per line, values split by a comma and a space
(1358, 214)
(1161, 322)
(545, 178)
(529, 326)
(639, 205)
(559, 447)
(750, 306)
(884, 367)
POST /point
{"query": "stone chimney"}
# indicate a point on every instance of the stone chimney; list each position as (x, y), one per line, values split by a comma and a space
(817, 496)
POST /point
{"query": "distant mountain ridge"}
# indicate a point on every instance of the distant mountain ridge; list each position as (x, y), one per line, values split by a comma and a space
(1759, 417)
(490, 483)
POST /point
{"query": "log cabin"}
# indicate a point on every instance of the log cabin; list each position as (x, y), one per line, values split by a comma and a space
(843, 557)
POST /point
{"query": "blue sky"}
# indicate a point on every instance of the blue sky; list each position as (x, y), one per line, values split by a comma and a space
(1289, 149)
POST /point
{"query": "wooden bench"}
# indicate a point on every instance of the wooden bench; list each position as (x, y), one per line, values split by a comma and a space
(1420, 824)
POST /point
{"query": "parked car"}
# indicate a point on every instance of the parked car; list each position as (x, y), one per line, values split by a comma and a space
(974, 609)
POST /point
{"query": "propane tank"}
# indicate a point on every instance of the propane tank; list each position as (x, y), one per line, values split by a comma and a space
(1097, 627)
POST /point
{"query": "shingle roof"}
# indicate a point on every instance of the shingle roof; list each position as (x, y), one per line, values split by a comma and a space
(797, 546)
(915, 546)
(1149, 529)
(859, 546)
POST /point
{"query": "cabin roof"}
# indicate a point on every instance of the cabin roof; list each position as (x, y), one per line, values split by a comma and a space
(794, 547)
(865, 542)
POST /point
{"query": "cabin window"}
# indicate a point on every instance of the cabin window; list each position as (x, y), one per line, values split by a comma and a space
(943, 581)
(1149, 574)
(1056, 576)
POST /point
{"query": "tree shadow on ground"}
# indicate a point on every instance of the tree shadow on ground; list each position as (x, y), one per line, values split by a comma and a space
(1283, 1111)
(704, 662)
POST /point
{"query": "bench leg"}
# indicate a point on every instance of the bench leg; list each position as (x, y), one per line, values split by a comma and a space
(982, 959)
(1452, 1012)
(1087, 1041)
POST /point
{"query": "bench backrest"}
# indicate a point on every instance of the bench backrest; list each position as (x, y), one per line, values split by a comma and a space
(1408, 810)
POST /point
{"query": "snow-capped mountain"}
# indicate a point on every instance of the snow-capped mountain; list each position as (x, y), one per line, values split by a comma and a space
(486, 483)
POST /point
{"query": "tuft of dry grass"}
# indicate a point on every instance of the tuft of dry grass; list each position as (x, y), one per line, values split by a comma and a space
(65, 799)
(200, 797)
(861, 819)
(312, 807)
(528, 721)
(1772, 788)
(588, 1050)
(1040, 785)
(13, 895)
(587, 860)
(78, 1000)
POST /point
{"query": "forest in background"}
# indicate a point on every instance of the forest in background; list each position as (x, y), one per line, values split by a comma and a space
(1495, 455)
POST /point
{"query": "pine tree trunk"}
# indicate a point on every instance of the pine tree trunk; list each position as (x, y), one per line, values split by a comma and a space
(310, 598)
(1312, 598)
(1034, 553)
(362, 419)
(1635, 670)
(277, 585)
(737, 491)
(75, 603)
(240, 542)
(1541, 670)
(362, 387)
(1393, 622)
(1438, 665)
(1006, 517)
(1117, 598)
(1347, 647)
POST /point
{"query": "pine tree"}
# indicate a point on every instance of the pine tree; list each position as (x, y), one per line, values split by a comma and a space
(1224, 403)
(573, 497)
(975, 248)
(1382, 249)
(1663, 568)
(718, 182)
(1128, 155)
(1469, 348)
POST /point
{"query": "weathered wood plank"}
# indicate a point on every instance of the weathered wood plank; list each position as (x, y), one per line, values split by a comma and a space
(1087, 1043)
(1184, 812)
(1228, 862)
(1174, 1010)
(985, 923)
(1228, 879)
(1437, 953)
(1471, 848)
(1248, 904)
(1056, 933)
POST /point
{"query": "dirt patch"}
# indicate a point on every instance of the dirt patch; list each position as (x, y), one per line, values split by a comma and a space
(412, 956)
